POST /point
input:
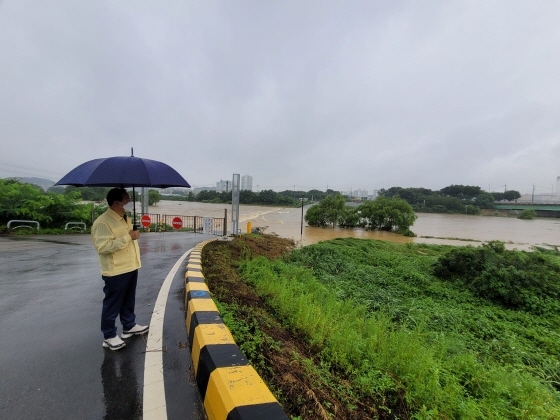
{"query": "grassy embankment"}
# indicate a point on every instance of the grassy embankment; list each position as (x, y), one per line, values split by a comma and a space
(364, 329)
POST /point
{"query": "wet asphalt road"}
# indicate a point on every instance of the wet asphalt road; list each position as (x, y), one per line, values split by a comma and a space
(52, 363)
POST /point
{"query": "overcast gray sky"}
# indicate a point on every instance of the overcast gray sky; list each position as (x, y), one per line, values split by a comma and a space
(344, 94)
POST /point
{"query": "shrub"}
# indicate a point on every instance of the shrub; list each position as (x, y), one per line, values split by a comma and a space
(527, 214)
(528, 281)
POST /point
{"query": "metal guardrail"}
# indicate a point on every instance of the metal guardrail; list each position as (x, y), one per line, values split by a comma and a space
(23, 221)
(75, 225)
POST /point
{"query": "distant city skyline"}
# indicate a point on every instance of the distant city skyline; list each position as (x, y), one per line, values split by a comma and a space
(553, 189)
(247, 182)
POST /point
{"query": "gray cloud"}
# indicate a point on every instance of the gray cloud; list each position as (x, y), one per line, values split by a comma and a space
(346, 94)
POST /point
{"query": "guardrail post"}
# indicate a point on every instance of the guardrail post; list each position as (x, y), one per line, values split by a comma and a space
(76, 225)
(24, 221)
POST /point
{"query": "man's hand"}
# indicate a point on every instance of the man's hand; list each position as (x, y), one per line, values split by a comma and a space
(134, 234)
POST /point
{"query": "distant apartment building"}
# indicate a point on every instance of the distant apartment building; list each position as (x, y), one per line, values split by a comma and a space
(360, 193)
(247, 182)
(223, 186)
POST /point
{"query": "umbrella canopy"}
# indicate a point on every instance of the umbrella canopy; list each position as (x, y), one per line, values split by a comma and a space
(123, 171)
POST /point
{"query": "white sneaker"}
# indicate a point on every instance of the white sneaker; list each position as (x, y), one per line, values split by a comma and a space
(137, 329)
(114, 343)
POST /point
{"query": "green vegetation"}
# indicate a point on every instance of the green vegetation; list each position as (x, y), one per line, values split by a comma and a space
(464, 199)
(86, 193)
(20, 201)
(265, 197)
(427, 332)
(528, 281)
(510, 195)
(390, 214)
(153, 197)
(528, 214)
(330, 211)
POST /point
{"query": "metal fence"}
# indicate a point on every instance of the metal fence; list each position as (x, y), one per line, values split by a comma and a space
(168, 223)
(164, 223)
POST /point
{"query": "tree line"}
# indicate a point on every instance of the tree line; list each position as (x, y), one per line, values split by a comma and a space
(452, 199)
(285, 198)
(265, 197)
(60, 204)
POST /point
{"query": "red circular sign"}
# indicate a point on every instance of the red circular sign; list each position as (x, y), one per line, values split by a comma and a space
(145, 220)
(177, 223)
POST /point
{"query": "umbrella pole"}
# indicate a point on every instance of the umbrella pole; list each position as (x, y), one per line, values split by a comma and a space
(134, 227)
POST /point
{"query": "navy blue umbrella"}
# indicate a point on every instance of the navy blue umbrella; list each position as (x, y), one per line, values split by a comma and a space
(124, 171)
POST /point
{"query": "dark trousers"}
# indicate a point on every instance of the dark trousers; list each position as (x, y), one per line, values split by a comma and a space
(120, 297)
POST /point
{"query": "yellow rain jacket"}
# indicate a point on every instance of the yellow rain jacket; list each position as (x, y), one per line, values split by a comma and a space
(118, 253)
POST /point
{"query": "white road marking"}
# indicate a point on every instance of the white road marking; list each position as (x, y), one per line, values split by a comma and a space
(154, 405)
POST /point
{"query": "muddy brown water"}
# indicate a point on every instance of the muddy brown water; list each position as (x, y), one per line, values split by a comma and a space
(447, 229)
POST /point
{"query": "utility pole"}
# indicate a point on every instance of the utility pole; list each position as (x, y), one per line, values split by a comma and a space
(301, 228)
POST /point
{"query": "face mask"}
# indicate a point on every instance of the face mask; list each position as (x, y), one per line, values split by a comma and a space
(128, 206)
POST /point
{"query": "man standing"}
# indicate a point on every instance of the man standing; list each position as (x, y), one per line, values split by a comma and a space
(119, 257)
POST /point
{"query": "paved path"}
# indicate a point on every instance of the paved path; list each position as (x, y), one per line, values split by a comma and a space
(52, 364)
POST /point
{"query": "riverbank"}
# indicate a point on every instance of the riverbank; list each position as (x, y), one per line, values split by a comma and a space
(430, 228)
(363, 329)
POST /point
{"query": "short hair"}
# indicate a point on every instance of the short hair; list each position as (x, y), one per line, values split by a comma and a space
(116, 194)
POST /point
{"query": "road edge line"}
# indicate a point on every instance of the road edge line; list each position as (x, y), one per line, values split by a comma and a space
(153, 398)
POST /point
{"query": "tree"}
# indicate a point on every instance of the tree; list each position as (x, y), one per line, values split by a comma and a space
(335, 206)
(461, 191)
(485, 200)
(390, 214)
(206, 196)
(89, 193)
(20, 201)
(498, 196)
(25, 201)
(511, 195)
(267, 197)
(350, 218)
(153, 197)
(315, 195)
(247, 197)
(316, 216)
(57, 189)
(328, 212)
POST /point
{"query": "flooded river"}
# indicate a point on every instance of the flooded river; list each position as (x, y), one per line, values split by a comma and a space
(449, 229)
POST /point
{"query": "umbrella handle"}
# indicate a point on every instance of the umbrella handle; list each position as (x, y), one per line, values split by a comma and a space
(134, 225)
